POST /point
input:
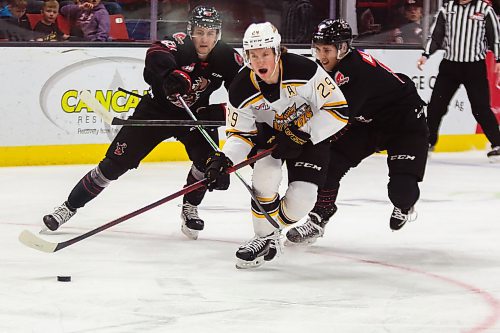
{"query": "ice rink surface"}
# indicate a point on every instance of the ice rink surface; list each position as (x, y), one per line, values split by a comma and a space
(438, 274)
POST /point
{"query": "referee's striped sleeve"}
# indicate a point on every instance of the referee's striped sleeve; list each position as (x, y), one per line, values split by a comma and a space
(437, 34)
(493, 32)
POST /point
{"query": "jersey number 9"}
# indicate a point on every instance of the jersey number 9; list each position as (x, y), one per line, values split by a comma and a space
(233, 118)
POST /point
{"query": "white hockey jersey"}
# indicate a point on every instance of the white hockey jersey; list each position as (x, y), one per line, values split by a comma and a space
(305, 95)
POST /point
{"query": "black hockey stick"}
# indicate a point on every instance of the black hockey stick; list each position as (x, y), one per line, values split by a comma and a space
(106, 116)
(216, 148)
(161, 122)
(31, 240)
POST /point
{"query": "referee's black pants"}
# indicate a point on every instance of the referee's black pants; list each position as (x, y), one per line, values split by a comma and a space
(473, 76)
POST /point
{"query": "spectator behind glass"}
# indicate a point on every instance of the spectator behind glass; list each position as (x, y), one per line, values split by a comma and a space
(298, 21)
(14, 24)
(410, 32)
(46, 29)
(89, 21)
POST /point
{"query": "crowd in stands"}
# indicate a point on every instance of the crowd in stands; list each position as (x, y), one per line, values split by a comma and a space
(52, 20)
(390, 21)
(378, 21)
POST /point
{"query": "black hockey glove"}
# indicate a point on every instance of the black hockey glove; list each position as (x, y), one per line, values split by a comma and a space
(289, 142)
(215, 173)
(212, 112)
(177, 82)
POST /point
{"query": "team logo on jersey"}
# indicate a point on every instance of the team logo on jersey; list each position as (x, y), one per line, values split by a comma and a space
(188, 68)
(239, 59)
(477, 16)
(179, 37)
(216, 75)
(299, 116)
(200, 84)
(120, 149)
(170, 44)
(340, 79)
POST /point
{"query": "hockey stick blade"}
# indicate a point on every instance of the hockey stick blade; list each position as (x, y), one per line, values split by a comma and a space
(31, 240)
(161, 122)
(90, 100)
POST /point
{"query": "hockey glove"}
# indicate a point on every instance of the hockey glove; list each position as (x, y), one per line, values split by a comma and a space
(215, 173)
(212, 112)
(177, 82)
(289, 142)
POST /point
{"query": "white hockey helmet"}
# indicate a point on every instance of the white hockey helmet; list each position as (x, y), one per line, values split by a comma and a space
(259, 36)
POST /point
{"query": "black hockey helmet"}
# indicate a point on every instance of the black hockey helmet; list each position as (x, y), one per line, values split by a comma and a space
(206, 17)
(333, 32)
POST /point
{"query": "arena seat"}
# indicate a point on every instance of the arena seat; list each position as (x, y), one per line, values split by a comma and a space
(117, 28)
(62, 22)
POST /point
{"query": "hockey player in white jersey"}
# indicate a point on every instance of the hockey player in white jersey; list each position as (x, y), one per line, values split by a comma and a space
(287, 100)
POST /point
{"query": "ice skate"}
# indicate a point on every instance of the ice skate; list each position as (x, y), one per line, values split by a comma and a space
(253, 253)
(191, 222)
(60, 215)
(307, 233)
(494, 154)
(400, 216)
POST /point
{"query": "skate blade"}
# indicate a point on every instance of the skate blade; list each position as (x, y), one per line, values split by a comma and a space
(243, 264)
(301, 244)
(494, 159)
(189, 233)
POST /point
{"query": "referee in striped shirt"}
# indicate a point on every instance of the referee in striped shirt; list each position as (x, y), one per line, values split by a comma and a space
(464, 29)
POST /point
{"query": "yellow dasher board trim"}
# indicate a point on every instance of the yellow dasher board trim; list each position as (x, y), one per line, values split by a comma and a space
(169, 151)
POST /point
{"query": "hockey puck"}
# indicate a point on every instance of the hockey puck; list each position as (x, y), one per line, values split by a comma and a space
(62, 278)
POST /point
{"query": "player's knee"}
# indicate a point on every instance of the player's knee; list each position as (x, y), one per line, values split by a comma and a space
(112, 169)
(299, 200)
(267, 183)
(403, 190)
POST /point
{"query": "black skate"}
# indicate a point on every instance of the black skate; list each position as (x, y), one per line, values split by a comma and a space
(191, 222)
(253, 253)
(400, 216)
(307, 233)
(494, 154)
(60, 215)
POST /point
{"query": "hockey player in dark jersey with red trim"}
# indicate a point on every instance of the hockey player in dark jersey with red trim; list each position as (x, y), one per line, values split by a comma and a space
(385, 113)
(193, 66)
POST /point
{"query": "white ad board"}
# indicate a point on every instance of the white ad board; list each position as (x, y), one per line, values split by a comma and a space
(40, 93)
(40, 104)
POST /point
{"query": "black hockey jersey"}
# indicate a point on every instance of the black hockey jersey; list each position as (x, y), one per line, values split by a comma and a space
(375, 94)
(222, 65)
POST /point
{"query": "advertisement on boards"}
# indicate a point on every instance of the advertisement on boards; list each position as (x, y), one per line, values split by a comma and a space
(41, 104)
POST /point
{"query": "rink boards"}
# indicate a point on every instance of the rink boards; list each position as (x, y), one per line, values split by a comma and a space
(44, 122)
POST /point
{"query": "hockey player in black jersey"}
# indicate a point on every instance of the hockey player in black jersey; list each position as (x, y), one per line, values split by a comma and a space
(385, 113)
(290, 98)
(193, 66)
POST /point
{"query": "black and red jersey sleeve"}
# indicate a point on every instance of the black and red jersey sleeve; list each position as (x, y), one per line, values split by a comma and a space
(159, 62)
